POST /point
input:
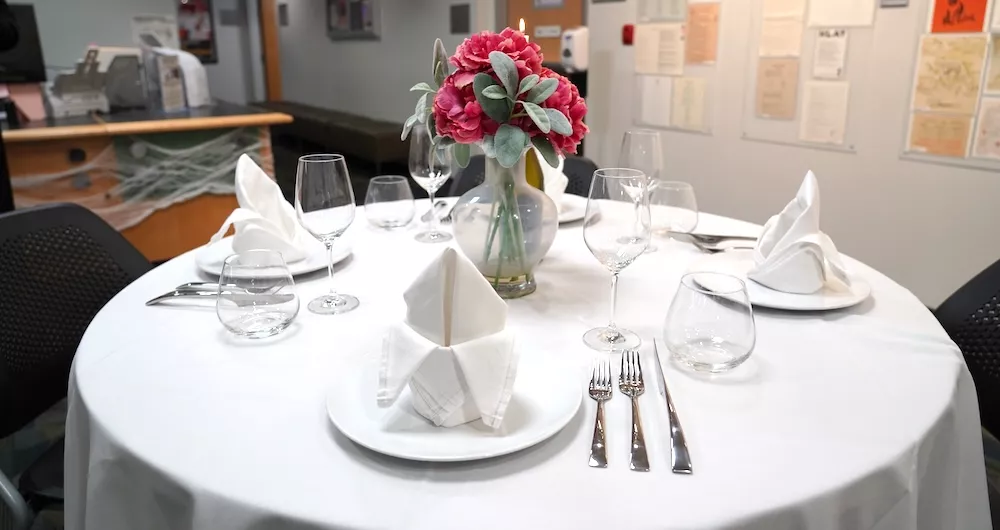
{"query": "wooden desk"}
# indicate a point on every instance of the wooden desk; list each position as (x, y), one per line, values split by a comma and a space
(165, 181)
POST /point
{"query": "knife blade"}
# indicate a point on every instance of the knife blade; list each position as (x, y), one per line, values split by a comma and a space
(680, 458)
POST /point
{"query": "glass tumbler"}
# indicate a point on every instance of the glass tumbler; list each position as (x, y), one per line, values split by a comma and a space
(256, 294)
(710, 325)
(389, 202)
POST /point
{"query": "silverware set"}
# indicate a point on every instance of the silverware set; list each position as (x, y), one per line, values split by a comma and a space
(632, 384)
(713, 244)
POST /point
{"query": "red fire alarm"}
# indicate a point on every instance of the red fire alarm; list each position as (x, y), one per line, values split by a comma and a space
(628, 34)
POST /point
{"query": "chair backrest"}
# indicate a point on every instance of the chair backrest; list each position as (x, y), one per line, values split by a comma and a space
(468, 177)
(59, 265)
(579, 171)
(971, 316)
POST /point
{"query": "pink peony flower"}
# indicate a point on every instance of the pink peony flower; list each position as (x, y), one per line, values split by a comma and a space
(566, 99)
(458, 115)
(473, 55)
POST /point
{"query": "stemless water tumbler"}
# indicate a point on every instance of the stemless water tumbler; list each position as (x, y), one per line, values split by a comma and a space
(256, 294)
(389, 202)
(710, 325)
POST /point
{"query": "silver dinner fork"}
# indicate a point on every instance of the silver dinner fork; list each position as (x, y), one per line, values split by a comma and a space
(601, 390)
(631, 384)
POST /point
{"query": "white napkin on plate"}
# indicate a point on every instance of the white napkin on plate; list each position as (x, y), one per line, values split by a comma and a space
(555, 181)
(453, 349)
(792, 254)
(264, 219)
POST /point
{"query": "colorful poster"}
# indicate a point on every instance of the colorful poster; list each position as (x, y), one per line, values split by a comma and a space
(958, 16)
(949, 69)
(940, 134)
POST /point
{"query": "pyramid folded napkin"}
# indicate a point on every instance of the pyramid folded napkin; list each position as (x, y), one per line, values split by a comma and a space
(264, 219)
(792, 254)
(452, 349)
(555, 181)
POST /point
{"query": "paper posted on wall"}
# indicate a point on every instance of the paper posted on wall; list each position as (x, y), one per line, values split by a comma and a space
(949, 69)
(838, 13)
(659, 49)
(777, 88)
(987, 143)
(780, 37)
(824, 112)
(702, 42)
(830, 55)
(688, 106)
(940, 134)
(655, 100)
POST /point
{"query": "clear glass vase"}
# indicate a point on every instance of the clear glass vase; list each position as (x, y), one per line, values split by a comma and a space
(505, 226)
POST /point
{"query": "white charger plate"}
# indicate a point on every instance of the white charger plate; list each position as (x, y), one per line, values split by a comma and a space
(211, 257)
(544, 401)
(738, 262)
(572, 208)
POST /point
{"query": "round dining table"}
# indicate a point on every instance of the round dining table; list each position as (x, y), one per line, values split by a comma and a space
(860, 418)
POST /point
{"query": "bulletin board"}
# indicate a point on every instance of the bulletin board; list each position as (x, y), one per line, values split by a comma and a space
(667, 101)
(958, 130)
(856, 73)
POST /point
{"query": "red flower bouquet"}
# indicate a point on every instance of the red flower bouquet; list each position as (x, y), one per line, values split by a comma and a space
(500, 97)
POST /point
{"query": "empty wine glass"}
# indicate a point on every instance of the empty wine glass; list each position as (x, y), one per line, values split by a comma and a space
(430, 167)
(672, 208)
(616, 230)
(642, 149)
(389, 202)
(710, 325)
(324, 203)
(256, 294)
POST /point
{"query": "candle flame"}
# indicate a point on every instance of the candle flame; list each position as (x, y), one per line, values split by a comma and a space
(520, 27)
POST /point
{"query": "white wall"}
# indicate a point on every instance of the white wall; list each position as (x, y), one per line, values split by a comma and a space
(67, 27)
(929, 227)
(368, 78)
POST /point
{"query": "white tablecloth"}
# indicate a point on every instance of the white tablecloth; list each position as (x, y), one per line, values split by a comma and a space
(855, 419)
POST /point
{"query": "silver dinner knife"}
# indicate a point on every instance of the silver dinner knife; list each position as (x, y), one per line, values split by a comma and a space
(240, 299)
(680, 458)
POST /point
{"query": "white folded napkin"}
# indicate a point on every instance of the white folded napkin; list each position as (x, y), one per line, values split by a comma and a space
(555, 181)
(792, 254)
(452, 349)
(264, 219)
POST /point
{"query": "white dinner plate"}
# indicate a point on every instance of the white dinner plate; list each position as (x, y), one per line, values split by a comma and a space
(544, 401)
(738, 262)
(572, 208)
(211, 257)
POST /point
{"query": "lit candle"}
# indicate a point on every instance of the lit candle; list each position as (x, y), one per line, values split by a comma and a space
(520, 26)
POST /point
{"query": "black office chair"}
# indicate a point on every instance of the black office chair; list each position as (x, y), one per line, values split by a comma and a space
(971, 316)
(59, 265)
(579, 171)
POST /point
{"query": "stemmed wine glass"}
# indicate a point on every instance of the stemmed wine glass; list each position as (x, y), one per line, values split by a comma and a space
(324, 204)
(430, 167)
(616, 230)
(641, 149)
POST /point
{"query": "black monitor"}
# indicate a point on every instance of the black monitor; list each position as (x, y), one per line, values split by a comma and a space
(23, 64)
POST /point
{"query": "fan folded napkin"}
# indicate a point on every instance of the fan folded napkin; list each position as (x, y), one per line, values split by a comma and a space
(554, 180)
(792, 254)
(264, 219)
(452, 349)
